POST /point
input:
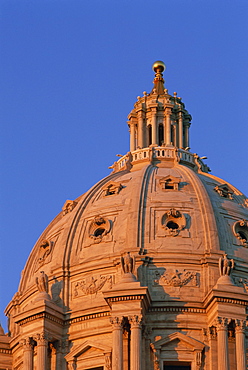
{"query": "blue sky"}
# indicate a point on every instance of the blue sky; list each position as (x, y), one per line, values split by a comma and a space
(70, 73)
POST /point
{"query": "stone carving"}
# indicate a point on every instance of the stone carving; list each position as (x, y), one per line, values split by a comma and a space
(28, 343)
(222, 323)
(240, 230)
(173, 222)
(56, 289)
(240, 326)
(212, 333)
(108, 362)
(225, 265)
(117, 321)
(44, 250)
(127, 263)
(92, 285)
(135, 321)
(42, 282)
(243, 282)
(224, 191)
(99, 227)
(156, 357)
(68, 206)
(177, 278)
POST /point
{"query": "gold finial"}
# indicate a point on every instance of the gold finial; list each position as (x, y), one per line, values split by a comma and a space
(158, 66)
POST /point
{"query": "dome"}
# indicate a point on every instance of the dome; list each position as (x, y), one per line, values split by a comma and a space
(158, 248)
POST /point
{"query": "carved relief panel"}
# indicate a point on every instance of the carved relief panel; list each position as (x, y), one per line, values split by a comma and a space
(91, 285)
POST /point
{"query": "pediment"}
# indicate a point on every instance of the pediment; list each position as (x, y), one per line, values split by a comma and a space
(112, 187)
(178, 338)
(85, 349)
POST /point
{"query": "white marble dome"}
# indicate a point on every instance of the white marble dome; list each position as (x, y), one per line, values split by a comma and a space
(183, 294)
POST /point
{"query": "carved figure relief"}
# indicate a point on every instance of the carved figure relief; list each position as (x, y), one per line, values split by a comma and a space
(99, 227)
(68, 206)
(225, 265)
(112, 188)
(224, 191)
(127, 263)
(173, 222)
(243, 282)
(240, 230)
(45, 249)
(42, 282)
(169, 183)
(177, 278)
(92, 285)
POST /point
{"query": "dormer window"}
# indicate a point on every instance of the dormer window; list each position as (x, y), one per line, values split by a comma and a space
(112, 188)
(224, 191)
(169, 183)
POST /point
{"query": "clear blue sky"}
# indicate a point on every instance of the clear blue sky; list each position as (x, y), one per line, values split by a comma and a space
(70, 73)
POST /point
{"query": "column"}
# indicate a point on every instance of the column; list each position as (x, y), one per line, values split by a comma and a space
(180, 124)
(186, 133)
(136, 344)
(168, 127)
(42, 347)
(222, 341)
(240, 344)
(154, 126)
(132, 137)
(28, 346)
(140, 130)
(117, 351)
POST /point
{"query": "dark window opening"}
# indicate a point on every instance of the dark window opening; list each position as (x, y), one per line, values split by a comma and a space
(172, 225)
(99, 231)
(242, 235)
(160, 135)
(177, 366)
(149, 135)
(168, 185)
(96, 368)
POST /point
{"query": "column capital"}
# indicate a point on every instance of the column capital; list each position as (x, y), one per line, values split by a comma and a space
(27, 343)
(42, 338)
(117, 322)
(240, 326)
(135, 321)
(222, 323)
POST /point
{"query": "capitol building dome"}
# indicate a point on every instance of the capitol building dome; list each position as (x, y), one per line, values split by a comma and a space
(145, 271)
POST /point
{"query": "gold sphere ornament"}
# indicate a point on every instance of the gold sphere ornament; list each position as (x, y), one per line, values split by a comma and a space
(158, 66)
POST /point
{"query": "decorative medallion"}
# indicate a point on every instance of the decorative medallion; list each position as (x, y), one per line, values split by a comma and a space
(240, 230)
(173, 222)
(99, 227)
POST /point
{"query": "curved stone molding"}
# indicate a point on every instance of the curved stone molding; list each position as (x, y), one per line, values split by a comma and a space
(173, 222)
(240, 230)
(99, 227)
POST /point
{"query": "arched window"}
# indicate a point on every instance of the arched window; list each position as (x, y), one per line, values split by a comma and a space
(149, 135)
(160, 134)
